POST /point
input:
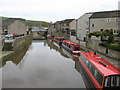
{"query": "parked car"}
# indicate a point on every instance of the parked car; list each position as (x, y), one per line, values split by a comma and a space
(9, 36)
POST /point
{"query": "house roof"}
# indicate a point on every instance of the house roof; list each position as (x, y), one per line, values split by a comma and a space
(68, 20)
(106, 14)
(6, 24)
(65, 21)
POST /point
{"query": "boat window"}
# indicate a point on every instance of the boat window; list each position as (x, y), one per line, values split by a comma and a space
(107, 82)
(77, 48)
(112, 81)
(99, 78)
(68, 45)
(61, 39)
(87, 63)
(83, 58)
(89, 66)
(118, 81)
(92, 69)
(96, 73)
(71, 47)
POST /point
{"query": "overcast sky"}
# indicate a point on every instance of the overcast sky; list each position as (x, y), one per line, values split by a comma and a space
(53, 10)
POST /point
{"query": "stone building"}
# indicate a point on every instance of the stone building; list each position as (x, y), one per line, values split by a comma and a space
(52, 29)
(100, 21)
(83, 28)
(60, 27)
(66, 25)
(73, 27)
(17, 26)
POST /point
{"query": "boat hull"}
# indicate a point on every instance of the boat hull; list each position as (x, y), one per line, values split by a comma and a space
(87, 73)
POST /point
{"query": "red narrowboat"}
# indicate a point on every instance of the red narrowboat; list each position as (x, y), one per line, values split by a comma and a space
(101, 73)
(71, 47)
(50, 36)
(58, 40)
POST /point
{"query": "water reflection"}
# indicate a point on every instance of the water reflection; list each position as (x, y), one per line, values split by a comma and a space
(61, 50)
(56, 47)
(75, 58)
(43, 66)
(81, 70)
(15, 58)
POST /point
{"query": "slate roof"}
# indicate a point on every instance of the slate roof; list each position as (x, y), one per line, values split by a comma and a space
(106, 14)
(67, 21)
(6, 24)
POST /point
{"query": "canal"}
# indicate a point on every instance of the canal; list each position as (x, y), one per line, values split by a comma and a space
(44, 65)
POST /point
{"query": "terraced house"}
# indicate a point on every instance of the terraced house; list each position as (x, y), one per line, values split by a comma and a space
(60, 27)
(66, 25)
(83, 28)
(100, 21)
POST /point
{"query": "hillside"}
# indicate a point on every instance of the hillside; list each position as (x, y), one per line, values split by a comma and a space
(27, 22)
(31, 22)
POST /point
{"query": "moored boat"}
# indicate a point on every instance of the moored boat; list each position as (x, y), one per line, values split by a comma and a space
(71, 47)
(50, 36)
(101, 73)
(58, 40)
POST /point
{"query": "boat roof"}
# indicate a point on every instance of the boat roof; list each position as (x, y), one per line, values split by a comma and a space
(71, 43)
(59, 37)
(106, 68)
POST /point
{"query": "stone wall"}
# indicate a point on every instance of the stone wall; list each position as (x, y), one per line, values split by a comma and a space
(73, 39)
(21, 42)
(18, 43)
(94, 45)
(114, 54)
(1, 43)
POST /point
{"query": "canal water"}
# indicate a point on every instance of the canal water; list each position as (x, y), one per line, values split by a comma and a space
(44, 65)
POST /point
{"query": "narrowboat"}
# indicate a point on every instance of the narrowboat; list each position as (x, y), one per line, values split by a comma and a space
(50, 36)
(58, 40)
(102, 74)
(71, 47)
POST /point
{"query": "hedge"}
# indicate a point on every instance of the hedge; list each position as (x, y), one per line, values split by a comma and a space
(114, 47)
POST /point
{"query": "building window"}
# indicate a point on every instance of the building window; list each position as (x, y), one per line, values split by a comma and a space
(101, 30)
(117, 20)
(93, 25)
(108, 20)
(116, 31)
(67, 24)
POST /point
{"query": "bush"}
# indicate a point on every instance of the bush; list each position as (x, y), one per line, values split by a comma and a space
(114, 47)
(97, 34)
(105, 44)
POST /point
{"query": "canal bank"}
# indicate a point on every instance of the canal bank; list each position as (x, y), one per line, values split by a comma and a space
(13, 47)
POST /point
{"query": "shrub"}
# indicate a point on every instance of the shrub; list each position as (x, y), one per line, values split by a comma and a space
(105, 44)
(97, 34)
(114, 47)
